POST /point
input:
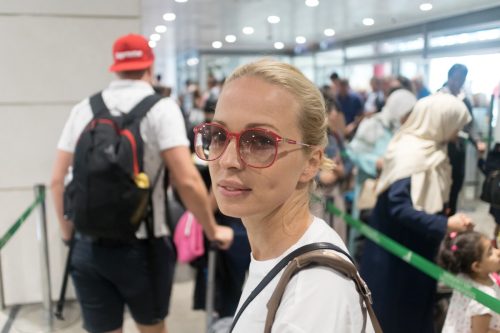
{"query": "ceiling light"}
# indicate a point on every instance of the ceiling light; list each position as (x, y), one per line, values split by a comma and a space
(217, 44)
(169, 16)
(312, 3)
(160, 29)
(273, 19)
(230, 38)
(300, 39)
(329, 32)
(248, 30)
(368, 21)
(425, 7)
(279, 45)
(181, 1)
(155, 37)
(152, 44)
(192, 61)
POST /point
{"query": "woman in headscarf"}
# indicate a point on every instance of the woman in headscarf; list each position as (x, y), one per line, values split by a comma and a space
(412, 192)
(368, 146)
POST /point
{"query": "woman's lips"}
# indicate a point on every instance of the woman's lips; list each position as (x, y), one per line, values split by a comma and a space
(231, 189)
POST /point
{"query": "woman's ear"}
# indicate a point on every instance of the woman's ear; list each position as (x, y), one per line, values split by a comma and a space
(312, 166)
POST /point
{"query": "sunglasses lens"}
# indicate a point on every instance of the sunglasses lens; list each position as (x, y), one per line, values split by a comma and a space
(210, 142)
(257, 148)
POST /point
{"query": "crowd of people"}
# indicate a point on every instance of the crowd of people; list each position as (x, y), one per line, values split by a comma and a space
(392, 157)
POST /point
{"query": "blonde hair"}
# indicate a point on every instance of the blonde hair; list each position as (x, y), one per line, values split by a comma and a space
(312, 116)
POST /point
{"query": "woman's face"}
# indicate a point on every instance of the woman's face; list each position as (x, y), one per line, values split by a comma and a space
(243, 191)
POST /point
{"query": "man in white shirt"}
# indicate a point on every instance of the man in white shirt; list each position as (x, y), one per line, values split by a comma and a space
(109, 275)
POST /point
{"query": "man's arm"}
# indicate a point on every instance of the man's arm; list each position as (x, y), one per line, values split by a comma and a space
(193, 193)
(61, 165)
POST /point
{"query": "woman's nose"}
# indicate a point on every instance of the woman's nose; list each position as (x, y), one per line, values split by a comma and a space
(230, 157)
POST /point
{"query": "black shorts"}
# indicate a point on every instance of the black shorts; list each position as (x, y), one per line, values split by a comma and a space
(108, 276)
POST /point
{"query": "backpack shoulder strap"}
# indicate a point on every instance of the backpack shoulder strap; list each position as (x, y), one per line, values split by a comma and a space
(326, 258)
(282, 264)
(98, 106)
(141, 109)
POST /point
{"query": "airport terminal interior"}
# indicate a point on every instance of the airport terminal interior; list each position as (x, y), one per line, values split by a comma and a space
(56, 53)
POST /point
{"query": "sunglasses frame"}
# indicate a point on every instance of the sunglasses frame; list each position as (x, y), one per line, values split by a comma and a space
(229, 135)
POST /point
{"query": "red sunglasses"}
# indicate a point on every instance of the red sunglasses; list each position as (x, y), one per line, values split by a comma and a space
(256, 147)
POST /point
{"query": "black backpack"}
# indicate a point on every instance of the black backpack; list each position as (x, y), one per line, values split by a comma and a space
(109, 195)
(491, 186)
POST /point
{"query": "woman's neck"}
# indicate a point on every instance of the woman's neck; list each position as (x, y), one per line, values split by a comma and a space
(272, 234)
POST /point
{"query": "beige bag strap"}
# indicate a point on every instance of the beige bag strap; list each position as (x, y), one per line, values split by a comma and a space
(329, 259)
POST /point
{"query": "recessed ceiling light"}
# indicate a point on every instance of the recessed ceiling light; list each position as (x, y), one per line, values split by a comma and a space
(300, 39)
(217, 44)
(192, 61)
(368, 21)
(248, 30)
(329, 32)
(230, 38)
(181, 1)
(155, 37)
(312, 3)
(152, 44)
(160, 29)
(273, 19)
(425, 7)
(169, 16)
(279, 45)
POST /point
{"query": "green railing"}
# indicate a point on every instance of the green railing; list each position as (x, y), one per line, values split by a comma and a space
(417, 261)
(41, 229)
(16, 225)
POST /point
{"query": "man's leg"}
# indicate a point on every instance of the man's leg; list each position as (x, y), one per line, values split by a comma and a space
(157, 328)
(101, 304)
(146, 282)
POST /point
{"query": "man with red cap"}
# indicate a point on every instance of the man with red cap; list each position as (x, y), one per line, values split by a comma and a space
(109, 275)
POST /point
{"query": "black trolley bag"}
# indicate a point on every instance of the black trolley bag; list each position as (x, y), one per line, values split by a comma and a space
(491, 187)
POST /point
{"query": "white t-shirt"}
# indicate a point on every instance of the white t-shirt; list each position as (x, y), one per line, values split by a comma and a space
(162, 128)
(463, 308)
(316, 300)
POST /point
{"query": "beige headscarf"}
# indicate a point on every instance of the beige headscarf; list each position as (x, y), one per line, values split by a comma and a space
(419, 150)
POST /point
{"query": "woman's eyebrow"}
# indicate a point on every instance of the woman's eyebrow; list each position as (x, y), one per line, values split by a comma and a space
(250, 125)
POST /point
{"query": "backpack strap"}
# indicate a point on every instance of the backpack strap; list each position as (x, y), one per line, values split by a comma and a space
(279, 266)
(98, 106)
(326, 258)
(141, 109)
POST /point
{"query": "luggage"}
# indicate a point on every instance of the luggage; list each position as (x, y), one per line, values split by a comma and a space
(491, 187)
(108, 196)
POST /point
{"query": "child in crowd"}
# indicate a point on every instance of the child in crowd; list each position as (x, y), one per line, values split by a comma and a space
(472, 256)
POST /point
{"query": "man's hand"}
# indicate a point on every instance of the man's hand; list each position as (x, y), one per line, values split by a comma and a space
(481, 147)
(223, 237)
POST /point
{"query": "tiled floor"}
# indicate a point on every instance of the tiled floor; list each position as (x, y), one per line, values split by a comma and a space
(182, 319)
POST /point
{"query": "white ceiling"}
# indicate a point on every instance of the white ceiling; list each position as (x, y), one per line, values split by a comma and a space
(200, 22)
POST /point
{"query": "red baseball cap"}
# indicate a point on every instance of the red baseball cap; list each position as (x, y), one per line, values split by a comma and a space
(130, 53)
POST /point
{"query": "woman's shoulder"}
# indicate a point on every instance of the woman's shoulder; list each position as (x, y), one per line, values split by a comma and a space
(320, 231)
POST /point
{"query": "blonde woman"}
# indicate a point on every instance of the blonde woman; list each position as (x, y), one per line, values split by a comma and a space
(264, 147)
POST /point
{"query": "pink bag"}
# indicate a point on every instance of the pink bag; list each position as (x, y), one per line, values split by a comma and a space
(188, 238)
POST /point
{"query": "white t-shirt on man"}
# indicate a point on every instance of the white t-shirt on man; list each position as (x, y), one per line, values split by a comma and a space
(162, 128)
(318, 300)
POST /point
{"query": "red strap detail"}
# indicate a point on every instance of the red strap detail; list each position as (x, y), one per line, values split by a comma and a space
(133, 143)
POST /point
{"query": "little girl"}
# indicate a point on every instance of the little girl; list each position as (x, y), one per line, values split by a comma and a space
(471, 255)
